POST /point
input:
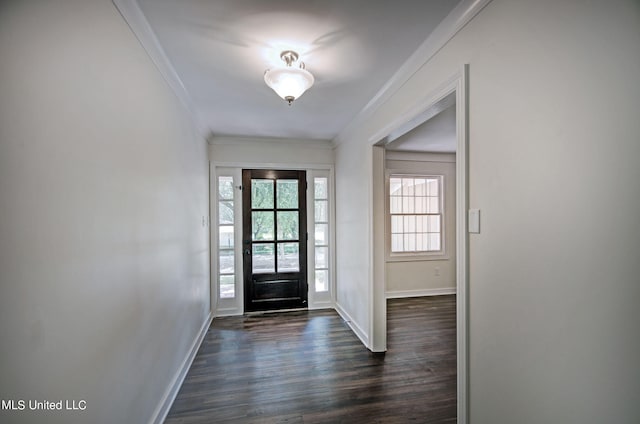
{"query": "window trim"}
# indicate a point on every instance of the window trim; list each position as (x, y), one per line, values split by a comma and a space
(439, 255)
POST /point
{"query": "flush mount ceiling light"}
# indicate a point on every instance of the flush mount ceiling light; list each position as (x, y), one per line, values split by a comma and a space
(289, 82)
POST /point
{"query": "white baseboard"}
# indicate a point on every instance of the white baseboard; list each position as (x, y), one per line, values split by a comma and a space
(228, 312)
(361, 334)
(321, 305)
(160, 414)
(395, 294)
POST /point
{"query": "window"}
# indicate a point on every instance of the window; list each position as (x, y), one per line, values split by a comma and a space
(415, 206)
(226, 253)
(321, 221)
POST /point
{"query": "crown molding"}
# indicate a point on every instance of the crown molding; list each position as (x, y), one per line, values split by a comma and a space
(133, 16)
(460, 16)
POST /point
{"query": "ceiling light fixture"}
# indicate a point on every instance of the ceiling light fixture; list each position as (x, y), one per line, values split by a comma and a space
(289, 82)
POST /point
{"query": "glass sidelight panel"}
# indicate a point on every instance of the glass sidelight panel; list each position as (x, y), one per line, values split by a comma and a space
(321, 220)
(288, 225)
(322, 257)
(287, 194)
(262, 226)
(322, 280)
(322, 210)
(263, 260)
(226, 242)
(227, 286)
(226, 261)
(262, 194)
(288, 257)
(322, 234)
(226, 237)
(225, 209)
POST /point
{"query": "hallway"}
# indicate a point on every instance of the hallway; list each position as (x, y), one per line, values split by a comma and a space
(308, 367)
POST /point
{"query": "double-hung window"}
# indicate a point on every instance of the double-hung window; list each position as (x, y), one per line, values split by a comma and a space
(415, 206)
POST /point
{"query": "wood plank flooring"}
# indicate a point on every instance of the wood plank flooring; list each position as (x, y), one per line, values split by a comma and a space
(308, 367)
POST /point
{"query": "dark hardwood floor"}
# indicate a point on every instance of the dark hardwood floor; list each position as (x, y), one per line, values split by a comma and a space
(308, 367)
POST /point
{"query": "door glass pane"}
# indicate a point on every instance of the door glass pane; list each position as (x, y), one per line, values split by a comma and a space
(322, 280)
(225, 213)
(321, 211)
(322, 254)
(288, 226)
(227, 286)
(226, 261)
(263, 259)
(225, 188)
(262, 194)
(322, 234)
(226, 236)
(320, 188)
(288, 257)
(262, 226)
(287, 194)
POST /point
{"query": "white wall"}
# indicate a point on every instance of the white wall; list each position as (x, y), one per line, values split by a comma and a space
(103, 184)
(269, 152)
(554, 283)
(406, 276)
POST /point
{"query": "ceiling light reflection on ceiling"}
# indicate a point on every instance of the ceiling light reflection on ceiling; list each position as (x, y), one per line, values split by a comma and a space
(289, 82)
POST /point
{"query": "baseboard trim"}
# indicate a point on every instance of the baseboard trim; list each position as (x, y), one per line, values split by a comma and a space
(230, 312)
(321, 305)
(361, 334)
(396, 294)
(160, 414)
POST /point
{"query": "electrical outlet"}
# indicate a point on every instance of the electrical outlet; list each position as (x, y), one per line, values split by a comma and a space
(436, 271)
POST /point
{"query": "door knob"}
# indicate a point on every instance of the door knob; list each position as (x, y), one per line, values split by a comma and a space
(247, 252)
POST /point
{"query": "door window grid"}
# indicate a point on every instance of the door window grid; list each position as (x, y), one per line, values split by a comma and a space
(321, 221)
(226, 253)
(416, 213)
(275, 228)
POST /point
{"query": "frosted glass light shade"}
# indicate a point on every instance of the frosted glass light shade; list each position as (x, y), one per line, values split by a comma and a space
(289, 83)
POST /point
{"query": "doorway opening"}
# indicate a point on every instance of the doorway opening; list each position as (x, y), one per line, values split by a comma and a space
(398, 146)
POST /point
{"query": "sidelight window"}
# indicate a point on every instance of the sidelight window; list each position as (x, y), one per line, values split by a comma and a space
(321, 218)
(226, 237)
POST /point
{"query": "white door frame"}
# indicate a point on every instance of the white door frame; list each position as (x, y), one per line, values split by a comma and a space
(416, 115)
(230, 307)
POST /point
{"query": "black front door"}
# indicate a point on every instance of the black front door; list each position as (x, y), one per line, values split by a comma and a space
(274, 236)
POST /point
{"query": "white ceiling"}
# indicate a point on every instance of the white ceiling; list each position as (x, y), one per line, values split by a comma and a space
(221, 48)
(437, 135)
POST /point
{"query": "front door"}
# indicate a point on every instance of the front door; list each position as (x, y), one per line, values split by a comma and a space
(274, 237)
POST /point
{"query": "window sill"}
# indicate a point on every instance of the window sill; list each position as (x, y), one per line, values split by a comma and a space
(415, 257)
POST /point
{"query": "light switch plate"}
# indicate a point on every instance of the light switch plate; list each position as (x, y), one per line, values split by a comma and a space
(474, 221)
